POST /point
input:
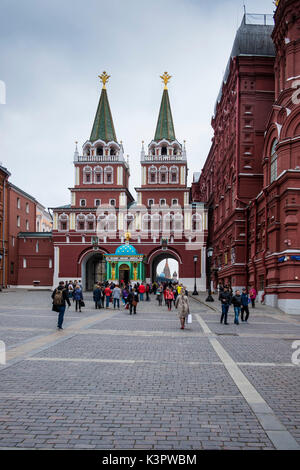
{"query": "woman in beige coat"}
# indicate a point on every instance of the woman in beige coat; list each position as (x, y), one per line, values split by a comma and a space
(182, 305)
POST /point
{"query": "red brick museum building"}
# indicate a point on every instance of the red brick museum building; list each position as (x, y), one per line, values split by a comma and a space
(251, 177)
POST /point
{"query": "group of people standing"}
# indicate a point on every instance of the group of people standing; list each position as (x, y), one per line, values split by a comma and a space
(106, 294)
(61, 296)
(240, 302)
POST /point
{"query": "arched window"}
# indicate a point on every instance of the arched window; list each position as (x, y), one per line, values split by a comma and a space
(178, 222)
(102, 223)
(164, 150)
(98, 175)
(108, 175)
(156, 223)
(168, 222)
(90, 222)
(152, 175)
(146, 223)
(87, 175)
(63, 222)
(112, 222)
(80, 222)
(273, 165)
(163, 174)
(174, 174)
(99, 150)
(112, 151)
(129, 222)
(196, 223)
(87, 150)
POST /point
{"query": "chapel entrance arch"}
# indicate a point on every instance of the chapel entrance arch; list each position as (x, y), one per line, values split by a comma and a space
(124, 273)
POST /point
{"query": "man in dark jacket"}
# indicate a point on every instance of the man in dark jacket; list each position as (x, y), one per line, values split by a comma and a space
(225, 299)
(245, 305)
(60, 297)
(237, 302)
(97, 296)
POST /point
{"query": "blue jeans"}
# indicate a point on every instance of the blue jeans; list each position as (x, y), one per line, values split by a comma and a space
(107, 301)
(117, 302)
(141, 296)
(237, 311)
(225, 308)
(61, 312)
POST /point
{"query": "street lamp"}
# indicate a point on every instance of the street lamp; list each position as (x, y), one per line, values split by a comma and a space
(195, 287)
(209, 256)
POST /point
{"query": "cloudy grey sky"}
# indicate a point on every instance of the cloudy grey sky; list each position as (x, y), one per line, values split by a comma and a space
(51, 52)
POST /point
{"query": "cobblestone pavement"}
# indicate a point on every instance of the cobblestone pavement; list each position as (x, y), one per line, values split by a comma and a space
(114, 381)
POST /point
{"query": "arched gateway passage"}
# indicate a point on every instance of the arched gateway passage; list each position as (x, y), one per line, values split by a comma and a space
(155, 259)
(93, 270)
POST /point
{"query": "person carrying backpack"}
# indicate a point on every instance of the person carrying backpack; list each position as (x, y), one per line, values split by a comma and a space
(60, 297)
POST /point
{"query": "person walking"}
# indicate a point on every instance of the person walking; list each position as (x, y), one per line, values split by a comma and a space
(159, 294)
(116, 296)
(133, 298)
(142, 290)
(97, 296)
(237, 302)
(60, 297)
(107, 293)
(169, 297)
(253, 295)
(147, 292)
(78, 297)
(225, 299)
(182, 305)
(245, 305)
(124, 296)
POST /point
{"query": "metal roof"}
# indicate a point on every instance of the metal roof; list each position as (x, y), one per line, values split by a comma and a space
(252, 40)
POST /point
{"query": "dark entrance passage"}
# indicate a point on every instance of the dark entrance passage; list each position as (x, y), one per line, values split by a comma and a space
(95, 271)
(124, 273)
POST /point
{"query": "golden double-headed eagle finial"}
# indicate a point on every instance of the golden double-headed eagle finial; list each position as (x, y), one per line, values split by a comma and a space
(104, 78)
(166, 78)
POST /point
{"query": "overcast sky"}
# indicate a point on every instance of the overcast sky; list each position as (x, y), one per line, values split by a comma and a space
(51, 52)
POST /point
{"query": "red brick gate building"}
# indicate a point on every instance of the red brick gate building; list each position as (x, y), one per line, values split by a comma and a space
(88, 234)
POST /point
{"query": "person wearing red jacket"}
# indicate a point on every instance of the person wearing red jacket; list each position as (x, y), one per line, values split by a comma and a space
(169, 297)
(142, 290)
(107, 293)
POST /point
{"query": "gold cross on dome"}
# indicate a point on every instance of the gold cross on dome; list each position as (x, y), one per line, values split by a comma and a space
(104, 78)
(166, 78)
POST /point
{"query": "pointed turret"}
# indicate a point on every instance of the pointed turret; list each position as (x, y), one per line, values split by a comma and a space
(165, 126)
(103, 127)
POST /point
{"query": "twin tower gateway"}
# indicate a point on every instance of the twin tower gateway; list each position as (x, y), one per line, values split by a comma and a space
(105, 234)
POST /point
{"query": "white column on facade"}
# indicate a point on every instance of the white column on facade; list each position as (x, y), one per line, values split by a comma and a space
(77, 175)
(73, 198)
(56, 266)
(55, 218)
(202, 286)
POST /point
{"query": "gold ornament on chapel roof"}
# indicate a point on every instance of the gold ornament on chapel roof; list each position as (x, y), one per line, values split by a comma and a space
(166, 78)
(104, 78)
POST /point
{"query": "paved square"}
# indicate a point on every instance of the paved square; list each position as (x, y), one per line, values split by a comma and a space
(114, 381)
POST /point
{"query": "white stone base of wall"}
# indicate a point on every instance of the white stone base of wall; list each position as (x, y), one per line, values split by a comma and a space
(271, 300)
(290, 306)
(30, 286)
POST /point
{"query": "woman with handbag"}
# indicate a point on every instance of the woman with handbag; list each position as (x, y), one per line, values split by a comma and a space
(78, 297)
(132, 299)
(182, 305)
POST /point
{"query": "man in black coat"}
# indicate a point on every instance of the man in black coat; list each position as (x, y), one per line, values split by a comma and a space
(60, 297)
(225, 299)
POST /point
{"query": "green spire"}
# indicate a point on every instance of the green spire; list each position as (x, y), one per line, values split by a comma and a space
(165, 126)
(103, 127)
